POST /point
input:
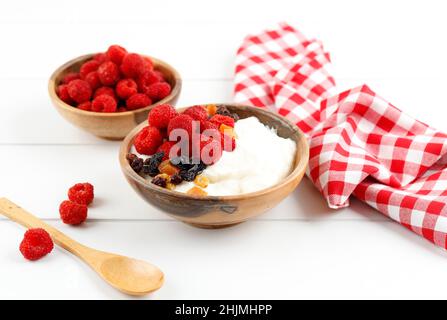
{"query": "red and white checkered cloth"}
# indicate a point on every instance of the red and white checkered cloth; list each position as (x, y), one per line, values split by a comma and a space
(360, 144)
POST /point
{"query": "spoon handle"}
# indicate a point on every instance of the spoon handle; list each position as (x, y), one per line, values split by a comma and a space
(14, 212)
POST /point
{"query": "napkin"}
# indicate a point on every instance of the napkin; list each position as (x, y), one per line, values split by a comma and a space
(360, 144)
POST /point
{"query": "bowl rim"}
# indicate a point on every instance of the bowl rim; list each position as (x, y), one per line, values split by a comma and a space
(299, 168)
(52, 88)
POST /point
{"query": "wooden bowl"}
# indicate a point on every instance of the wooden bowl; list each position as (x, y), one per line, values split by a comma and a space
(222, 211)
(113, 126)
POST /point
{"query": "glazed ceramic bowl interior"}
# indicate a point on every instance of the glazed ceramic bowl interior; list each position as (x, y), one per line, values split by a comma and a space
(222, 211)
(109, 125)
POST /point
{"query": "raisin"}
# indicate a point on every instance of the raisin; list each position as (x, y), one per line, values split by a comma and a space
(130, 157)
(176, 179)
(160, 181)
(137, 164)
(222, 110)
(151, 164)
(182, 162)
(190, 174)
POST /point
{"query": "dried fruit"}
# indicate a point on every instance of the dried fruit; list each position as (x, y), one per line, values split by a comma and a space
(160, 115)
(176, 179)
(201, 181)
(211, 109)
(72, 212)
(167, 167)
(137, 164)
(36, 244)
(196, 191)
(227, 130)
(82, 193)
(151, 164)
(79, 90)
(161, 180)
(191, 173)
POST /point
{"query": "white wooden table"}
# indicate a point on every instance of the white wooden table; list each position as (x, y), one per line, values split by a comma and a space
(300, 249)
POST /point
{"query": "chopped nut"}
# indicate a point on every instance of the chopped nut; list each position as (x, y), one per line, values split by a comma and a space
(201, 181)
(196, 191)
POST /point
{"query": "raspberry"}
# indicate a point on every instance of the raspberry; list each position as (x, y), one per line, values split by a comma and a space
(79, 90)
(70, 77)
(100, 57)
(228, 143)
(160, 115)
(62, 93)
(36, 244)
(197, 113)
(104, 103)
(126, 88)
(86, 106)
(121, 109)
(81, 193)
(133, 65)
(88, 67)
(108, 73)
(105, 90)
(166, 148)
(72, 212)
(220, 119)
(182, 121)
(208, 125)
(213, 150)
(93, 80)
(137, 101)
(116, 54)
(148, 140)
(158, 91)
(160, 75)
(146, 79)
(149, 63)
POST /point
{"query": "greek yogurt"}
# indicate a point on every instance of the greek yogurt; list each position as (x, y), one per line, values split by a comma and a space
(261, 159)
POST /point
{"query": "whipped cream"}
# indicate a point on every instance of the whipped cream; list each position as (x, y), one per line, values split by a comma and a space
(261, 159)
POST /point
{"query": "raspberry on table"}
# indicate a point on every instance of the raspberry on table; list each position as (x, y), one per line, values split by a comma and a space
(108, 73)
(82, 193)
(220, 119)
(160, 115)
(62, 93)
(93, 80)
(105, 90)
(87, 67)
(137, 101)
(197, 113)
(79, 90)
(116, 53)
(126, 88)
(182, 121)
(86, 106)
(36, 244)
(70, 77)
(133, 65)
(100, 57)
(148, 140)
(104, 103)
(158, 91)
(73, 213)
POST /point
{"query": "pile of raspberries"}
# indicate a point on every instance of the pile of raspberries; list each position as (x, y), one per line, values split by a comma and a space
(37, 243)
(114, 81)
(213, 125)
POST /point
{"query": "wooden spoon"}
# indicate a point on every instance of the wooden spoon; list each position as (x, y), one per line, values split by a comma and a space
(131, 276)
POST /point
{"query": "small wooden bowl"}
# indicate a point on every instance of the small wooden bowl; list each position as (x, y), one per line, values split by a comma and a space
(222, 211)
(113, 126)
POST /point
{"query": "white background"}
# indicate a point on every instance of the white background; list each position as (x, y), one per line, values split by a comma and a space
(300, 249)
